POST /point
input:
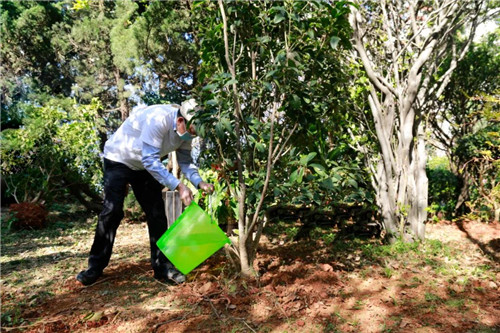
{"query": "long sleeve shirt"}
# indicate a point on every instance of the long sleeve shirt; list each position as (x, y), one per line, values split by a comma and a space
(145, 137)
(152, 162)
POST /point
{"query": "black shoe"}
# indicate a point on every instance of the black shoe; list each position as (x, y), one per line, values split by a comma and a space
(89, 276)
(170, 275)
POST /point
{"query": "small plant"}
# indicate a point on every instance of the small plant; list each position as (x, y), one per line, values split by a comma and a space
(436, 247)
(359, 305)
(220, 205)
(12, 317)
(10, 221)
(456, 303)
(329, 238)
(291, 232)
(430, 297)
(388, 272)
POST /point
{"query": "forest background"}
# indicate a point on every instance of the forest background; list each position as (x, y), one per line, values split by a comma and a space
(374, 118)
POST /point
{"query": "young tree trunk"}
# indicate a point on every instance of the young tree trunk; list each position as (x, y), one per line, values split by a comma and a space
(244, 255)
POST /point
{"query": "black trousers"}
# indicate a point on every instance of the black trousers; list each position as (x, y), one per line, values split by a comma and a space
(148, 192)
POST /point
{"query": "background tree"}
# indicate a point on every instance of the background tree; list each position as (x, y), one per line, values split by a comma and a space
(30, 68)
(94, 49)
(168, 48)
(401, 47)
(468, 107)
(95, 44)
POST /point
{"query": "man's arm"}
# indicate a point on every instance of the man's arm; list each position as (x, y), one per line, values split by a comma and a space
(187, 166)
(191, 171)
(152, 163)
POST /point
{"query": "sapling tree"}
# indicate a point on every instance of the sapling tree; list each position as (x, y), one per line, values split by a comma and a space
(265, 69)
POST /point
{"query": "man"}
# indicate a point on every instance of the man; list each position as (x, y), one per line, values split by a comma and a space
(133, 156)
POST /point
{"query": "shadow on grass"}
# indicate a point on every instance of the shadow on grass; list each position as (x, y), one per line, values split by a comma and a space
(492, 248)
(38, 262)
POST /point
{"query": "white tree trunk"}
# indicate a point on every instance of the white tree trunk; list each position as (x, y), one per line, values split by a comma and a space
(401, 46)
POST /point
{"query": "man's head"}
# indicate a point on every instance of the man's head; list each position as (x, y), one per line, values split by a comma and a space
(185, 129)
(188, 109)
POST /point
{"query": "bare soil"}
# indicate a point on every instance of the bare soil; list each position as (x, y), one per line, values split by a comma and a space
(449, 284)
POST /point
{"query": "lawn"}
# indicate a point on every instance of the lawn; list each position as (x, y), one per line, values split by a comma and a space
(325, 281)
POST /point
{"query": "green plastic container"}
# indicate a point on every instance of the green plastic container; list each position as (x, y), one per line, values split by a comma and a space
(191, 239)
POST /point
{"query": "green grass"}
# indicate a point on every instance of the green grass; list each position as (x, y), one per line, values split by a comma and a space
(432, 298)
(455, 303)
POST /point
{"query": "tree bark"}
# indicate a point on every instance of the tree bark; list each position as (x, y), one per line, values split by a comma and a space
(400, 57)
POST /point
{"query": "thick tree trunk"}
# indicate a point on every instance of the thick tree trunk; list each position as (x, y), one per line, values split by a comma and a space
(419, 36)
(385, 201)
(418, 191)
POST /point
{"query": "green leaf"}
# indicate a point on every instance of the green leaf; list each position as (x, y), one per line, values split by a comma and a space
(210, 87)
(264, 39)
(230, 82)
(227, 124)
(319, 169)
(293, 176)
(261, 147)
(301, 175)
(295, 102)
(327, 184)
(334, 42)
(352, 182)
(271, 73)
(278, 18)
(306, 159)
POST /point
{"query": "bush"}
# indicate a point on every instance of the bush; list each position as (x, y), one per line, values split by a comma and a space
(443, 187)
(27, 215)
(55, 152)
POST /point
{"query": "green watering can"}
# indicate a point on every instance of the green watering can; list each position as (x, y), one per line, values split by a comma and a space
(191, 239)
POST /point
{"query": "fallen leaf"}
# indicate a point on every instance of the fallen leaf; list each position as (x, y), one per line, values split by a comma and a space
(326, 268)
(205, 288)
(93, 316)
(404, 323)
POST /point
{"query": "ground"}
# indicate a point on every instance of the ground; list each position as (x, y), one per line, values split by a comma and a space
(322, 283)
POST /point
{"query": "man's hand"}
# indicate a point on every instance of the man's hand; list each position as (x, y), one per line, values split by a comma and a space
(185, 194)
(205, 187)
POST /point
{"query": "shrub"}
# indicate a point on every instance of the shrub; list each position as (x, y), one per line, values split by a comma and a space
(443, 187)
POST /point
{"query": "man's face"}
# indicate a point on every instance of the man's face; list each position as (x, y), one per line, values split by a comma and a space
(182, 128)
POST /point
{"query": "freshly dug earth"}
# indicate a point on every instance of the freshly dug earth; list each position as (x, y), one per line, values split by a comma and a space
(449, 284)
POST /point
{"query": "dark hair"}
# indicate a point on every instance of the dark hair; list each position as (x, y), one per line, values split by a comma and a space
(179, 114)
